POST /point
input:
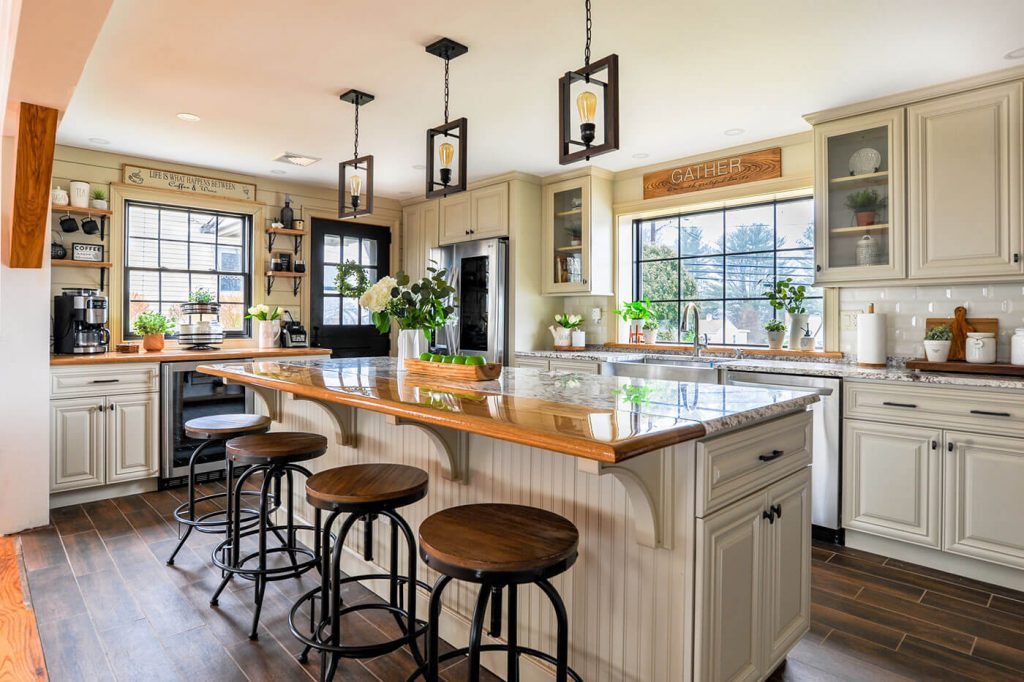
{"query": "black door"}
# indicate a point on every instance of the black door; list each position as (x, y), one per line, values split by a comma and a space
(339, 323)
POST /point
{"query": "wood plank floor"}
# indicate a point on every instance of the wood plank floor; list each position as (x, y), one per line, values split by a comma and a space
(21, 654)
(108, 608)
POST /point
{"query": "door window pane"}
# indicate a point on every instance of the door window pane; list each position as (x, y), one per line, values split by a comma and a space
(332, 310)
(332, 248)
(350, 249)
(368, 252)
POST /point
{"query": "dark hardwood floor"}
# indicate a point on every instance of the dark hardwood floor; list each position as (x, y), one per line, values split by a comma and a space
(108, 608)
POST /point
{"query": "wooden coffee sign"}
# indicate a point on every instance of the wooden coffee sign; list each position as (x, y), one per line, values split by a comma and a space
(730, 170)
(183, 182)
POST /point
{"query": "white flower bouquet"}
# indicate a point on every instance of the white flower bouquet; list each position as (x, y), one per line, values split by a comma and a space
(424, 305)
(263, 312)
(568, 321)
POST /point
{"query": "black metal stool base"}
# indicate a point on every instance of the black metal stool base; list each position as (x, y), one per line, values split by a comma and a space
(520, 651)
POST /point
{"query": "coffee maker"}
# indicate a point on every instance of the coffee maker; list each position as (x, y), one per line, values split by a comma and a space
(79, 322)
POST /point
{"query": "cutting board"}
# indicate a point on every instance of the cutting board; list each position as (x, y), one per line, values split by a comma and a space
(961, 324)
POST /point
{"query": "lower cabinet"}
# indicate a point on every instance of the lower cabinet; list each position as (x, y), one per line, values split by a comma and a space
(753, 581)
(103, 439)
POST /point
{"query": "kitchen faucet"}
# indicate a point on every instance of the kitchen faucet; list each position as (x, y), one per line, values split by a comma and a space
(684, 326)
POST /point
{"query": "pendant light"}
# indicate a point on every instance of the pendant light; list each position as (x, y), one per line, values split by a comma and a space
(446, 144)
(593, 94)
(355, 175)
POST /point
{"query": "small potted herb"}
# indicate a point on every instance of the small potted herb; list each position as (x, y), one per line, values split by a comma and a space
(937, 341)
(789, 297)
(651, 331)
(636, 313)
(152, 327)
(776, 330)
(99, 199)
(865, 204)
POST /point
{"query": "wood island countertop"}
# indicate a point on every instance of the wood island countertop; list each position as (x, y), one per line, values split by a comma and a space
(184, 355)
(603, 418)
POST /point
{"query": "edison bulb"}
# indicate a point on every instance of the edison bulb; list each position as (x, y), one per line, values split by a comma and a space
(586, 104)
(355, 185)
(446, 152)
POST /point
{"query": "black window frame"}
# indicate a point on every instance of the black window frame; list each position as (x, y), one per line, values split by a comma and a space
(248, 262)
(638, 260)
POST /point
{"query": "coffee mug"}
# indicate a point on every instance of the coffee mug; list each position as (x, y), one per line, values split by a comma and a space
(68, 224)
(90, 226)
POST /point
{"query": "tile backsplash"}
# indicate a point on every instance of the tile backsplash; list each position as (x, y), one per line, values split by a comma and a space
(907, 308)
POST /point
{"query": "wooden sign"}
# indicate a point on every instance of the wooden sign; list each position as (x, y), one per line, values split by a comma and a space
(730, 170)
(184, 182)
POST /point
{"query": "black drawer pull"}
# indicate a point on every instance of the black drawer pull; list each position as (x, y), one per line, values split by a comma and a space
(935, 445)
(775, 455)
(889, 404)
(950, 446)
(986, 413)
(770, 515)
(777, 510)
(104, 381)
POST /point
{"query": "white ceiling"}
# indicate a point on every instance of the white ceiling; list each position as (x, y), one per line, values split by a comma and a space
(265, 75)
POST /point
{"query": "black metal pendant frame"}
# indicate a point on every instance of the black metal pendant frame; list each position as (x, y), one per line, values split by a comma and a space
(454, 130)
(348, 209)
(603, 73)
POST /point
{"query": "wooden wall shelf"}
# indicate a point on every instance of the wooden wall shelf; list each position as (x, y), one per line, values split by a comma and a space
(102, 266)
(74, 210)
(273, 232)
(295, 277)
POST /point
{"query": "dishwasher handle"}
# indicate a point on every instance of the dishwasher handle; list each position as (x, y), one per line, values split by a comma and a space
(781, 387)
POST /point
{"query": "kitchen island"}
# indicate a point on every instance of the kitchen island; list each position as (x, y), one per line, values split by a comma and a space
(692, 500)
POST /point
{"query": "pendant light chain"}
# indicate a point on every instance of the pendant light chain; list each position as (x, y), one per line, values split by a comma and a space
(590, 23)
(446, 88)
(355, 152)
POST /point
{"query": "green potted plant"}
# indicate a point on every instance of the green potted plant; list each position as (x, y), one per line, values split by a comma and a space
(865, 204)
(268, 324)
(635, 313)
(937, 341)
(152, 327)
(99, 199)
(651, 330)
(568, 332)
(417, 307)
(785, 296)
(776, 330)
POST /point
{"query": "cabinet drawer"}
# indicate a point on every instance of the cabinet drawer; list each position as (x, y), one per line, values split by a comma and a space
(945, 407)
(532, 363)
(104, 380)
(736, 464)
(580, 366)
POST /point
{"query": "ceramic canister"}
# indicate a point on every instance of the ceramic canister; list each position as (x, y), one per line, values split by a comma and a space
(1017, 347)
(79, 194)
(981, 348)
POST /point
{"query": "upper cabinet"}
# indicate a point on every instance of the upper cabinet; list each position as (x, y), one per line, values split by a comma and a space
(475, 214)
(859, 194)
(577, 237)
(964, 183)
(420, 231)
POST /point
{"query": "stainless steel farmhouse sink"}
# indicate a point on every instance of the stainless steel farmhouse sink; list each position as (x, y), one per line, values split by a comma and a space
(670, 369)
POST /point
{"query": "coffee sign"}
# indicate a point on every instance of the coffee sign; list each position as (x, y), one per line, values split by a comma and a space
(729, 170)
(183, 182)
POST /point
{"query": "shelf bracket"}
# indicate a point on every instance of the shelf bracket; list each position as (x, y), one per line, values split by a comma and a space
(271, 237)
(298, 245)
(648, 482)
(270, 284)
(344, 417)
(451, 444)
(103, 278)
(296, 286)
(103, 228)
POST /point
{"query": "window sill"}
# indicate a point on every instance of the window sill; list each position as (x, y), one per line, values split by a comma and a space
(729, 350)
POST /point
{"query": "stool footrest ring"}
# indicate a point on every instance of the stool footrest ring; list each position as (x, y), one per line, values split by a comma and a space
(520, 651)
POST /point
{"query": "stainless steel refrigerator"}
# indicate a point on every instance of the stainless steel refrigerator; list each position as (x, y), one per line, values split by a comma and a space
(479, 272)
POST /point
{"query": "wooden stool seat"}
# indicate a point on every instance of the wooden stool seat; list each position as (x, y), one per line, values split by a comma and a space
(365, 487)
(224, 426)
(279, 447)
(497, 543)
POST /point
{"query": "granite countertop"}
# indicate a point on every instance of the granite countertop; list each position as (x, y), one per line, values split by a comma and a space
(182, 355)
(597, 417)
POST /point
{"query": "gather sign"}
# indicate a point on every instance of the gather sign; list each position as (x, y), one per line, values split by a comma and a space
(729, 170)
(185, 182)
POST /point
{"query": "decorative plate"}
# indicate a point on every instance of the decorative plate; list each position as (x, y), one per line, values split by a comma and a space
(866, 160)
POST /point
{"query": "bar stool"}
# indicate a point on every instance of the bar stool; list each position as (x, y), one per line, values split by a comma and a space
(499, 546)
(362, 491)
(213, 429)
(275, 455)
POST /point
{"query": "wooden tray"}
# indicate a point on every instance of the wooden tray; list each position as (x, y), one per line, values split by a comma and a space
(961, 325)
(444, 370)
(968, 367)
(572, 348)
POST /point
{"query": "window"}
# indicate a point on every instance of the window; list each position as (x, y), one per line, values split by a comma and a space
(723, 260)
(171, 251)
(339, 249)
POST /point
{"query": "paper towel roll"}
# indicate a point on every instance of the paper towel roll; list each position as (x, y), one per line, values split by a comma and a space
(871, 340)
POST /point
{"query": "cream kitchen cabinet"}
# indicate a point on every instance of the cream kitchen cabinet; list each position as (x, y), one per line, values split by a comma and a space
(892, 481)
(420, 231)
(964, 170)
(577, 237)
(753, 581)
(481, 213)
(133, 437)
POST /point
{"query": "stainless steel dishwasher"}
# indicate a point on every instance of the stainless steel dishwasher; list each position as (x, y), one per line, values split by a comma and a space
(826, 468)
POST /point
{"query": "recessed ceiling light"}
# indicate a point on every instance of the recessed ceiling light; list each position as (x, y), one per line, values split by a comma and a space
(99, 140)
(278, 172)
(297, 159)
(641, 155)
(735, 131)
(418, 166)
(1015, 54)
(185, 116)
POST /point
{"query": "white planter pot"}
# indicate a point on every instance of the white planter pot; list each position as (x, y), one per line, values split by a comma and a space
(650, 336)
(636, 331)
(79, 194)
(579, 338)
(100, 204)
(267, 333)
(937, 351)
(797, 322)
(775, 340)
(411, 344)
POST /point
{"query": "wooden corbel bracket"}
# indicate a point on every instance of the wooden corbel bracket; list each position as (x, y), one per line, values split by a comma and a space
(648, 482)
(451, 444)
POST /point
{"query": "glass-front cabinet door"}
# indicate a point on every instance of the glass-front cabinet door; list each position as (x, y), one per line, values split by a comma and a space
(859, 198)
(567, 236)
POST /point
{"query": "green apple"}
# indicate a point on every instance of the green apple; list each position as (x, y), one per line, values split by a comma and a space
(459, 360)
(437, 358)
(449, 359)
(474, 360)
(426, 357)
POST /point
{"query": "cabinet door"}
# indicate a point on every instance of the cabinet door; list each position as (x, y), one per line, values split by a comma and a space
(964, 184)
(728, 631)
(567, 238)
(578, 366)
(853, 156)
(532, 363)
(420, 230)
(984, 504)
(132, 437)
(787, 573)
(891, 480)
(489, 212)
(454, 218)
(76, 443)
